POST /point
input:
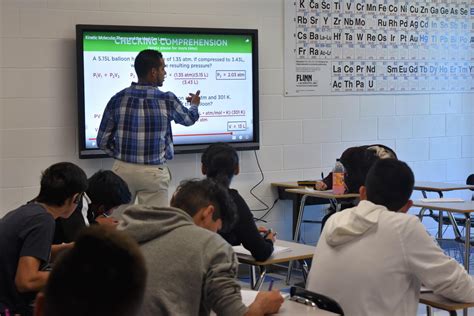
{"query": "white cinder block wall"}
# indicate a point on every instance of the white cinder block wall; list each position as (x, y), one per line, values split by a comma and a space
(300, 137)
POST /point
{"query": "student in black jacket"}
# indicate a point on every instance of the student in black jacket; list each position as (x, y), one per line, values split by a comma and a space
(221, 162)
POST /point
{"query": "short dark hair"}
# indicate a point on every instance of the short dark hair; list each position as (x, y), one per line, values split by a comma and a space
(358, 160)
(103, 274)
(389, 183)
(146, 60)
(193, 195)
(60, 182)
(107, 189)
(220, 161)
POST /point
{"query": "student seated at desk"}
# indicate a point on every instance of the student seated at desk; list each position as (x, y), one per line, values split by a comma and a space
(191, 269)
(372, 258)
(221, 162)
(26, 236)
(103, 274)
(106, 191)
(357, 162)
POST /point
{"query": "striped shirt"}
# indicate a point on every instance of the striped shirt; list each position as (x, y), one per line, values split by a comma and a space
(136, 124)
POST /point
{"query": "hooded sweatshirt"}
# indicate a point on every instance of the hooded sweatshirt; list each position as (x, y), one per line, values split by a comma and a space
(191, 270)
(372, 261)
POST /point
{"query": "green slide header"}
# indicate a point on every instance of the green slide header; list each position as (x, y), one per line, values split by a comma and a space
(135, 42)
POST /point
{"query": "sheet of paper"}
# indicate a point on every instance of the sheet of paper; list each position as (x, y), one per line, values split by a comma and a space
(441, 200)
(248, 296)
(276, 249)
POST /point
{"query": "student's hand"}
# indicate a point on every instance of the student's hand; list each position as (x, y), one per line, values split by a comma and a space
(320, 186)
(107, 221)
(194, 99)
(266, 302)
(267, 233)
(58, 248)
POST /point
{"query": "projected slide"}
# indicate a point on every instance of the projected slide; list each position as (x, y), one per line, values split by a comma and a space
(218, 65)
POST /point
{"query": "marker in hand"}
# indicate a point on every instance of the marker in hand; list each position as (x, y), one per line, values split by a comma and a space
(270, 286)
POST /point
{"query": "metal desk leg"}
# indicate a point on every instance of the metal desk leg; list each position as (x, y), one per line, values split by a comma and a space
(421, 214)
(258, 284)
(428, 310)
(467, 242)
(253, 276)
(440, 224)
(457, 232)
(440, 215)
(296, 236)
(467, 250)
(305, 269)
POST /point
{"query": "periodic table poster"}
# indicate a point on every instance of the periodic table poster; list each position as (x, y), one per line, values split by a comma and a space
(378, 47)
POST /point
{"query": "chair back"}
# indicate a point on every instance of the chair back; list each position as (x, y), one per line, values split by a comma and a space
(321, 301)
(470, 181)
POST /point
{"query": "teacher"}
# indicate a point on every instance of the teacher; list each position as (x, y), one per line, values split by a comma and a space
(136, 130)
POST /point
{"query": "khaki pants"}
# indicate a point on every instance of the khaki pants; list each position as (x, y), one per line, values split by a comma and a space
(148, 183)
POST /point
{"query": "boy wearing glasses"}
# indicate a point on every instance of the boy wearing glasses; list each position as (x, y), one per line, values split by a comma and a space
(106, 191)
(26, 235)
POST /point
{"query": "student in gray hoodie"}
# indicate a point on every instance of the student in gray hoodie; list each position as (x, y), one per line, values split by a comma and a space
(191, 269)
(372, 258)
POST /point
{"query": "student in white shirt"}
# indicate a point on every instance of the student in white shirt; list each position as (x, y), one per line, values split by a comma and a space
(373, 258)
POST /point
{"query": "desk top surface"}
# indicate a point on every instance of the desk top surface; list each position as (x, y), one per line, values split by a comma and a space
(328, 194)
(289, 307)
(419, 185)
(440, 186)
(297, 252)
(455, 207)
(442, 303)
(293, 308)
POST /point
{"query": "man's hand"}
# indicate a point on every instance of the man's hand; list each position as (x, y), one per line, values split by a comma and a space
(194, 99)
(265, 303)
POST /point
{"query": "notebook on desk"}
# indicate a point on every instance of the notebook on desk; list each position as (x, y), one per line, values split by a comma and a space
(307, 183)
(276, 249)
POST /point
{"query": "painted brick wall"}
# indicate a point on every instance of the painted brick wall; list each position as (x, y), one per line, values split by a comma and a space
(301, 136)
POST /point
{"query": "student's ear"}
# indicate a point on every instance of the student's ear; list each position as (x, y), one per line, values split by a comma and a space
(39, 304)
(363, 192)
(237, 170)
(203, 169)
(209, 211)
(201, 218)
(406, 207)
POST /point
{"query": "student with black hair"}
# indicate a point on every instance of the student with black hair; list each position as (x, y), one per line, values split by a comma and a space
(357, 162)
(106, 191)
(221, 163)
(373, 258)
(191, 269)
(26, 235)
(103, 274)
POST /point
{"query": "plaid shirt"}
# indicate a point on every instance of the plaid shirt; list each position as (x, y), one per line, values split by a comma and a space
(136, 124)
